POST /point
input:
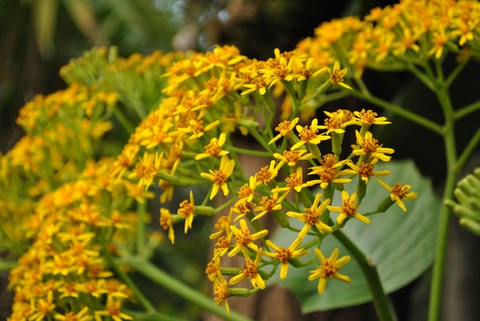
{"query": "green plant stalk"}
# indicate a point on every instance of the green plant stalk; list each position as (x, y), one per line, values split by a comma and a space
(126, 123)
(467, 152)
(173, 285)
(138, 294)
(141, 233)
(380, 300)
(436, 289)
(467, 110)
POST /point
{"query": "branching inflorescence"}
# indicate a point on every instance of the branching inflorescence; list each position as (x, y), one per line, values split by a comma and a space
(71, 204)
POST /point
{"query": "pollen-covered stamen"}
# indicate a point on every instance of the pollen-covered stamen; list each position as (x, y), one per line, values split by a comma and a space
(166, 221)
(349, 207)
(186, 209)
(250, 269)
(283, 254)
(264, 175)
(213, 148)
(333, 123)
(365, 170)
(222, 243)
(293, 181)
(244, 238)
(307, 133)
(399, 190)
(327, 270)
(292, 156)
(220, 292)
(368, 116)
(245, 191)
(311, 216)
(327, 174)
(219, 177)
(211, 269)
(283, 128)
(268, 203)
(369, 145)
(329, 160)
(223, 223)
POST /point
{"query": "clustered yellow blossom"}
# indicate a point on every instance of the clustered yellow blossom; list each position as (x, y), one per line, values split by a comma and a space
(183, 128)
(67, 263)
(398, 36)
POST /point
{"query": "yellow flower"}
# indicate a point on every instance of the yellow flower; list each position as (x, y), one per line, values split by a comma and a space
(213, 268)
(337, 121)
(166, 222)
(311, 217)
(186, 211)
(328, 173)
(220, 289)
(220, 176)
(214, 148)
(329, 269)
(269, 204)
(369, 117)
(72, 316)
(250, 270)
(247, 191)
(284, 129)
(292, 157)
(367, 145)
(398, 193)
(284, 254)
(348, 209)
(244, 239)
(337, 75)
(293, 182)
(113, 309)
(267, 173)
(309, 134)
(365, 170)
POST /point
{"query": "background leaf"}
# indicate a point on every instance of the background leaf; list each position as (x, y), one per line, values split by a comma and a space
(401, 244)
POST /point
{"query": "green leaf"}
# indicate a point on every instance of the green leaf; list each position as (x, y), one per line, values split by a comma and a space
(400, 244)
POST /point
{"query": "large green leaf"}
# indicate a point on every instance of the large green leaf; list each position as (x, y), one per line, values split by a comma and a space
(400, 244)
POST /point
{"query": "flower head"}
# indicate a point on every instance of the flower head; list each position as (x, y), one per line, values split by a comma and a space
(311, 217)
(186, 211)
(398, 193)
(220, 176)
(250, 270)
(285, 254)
(367, 145)
(337, 75)
(348, 209)
(329, 269)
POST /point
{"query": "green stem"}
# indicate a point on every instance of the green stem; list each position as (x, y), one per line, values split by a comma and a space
(413, 117)
(436, 289)
(7, 265)
(129, 127)
(152, 316)
(140, 236)
(166, 280)
(139, 296)
(251, 152)
(380, 300)
(467, 152)
(467, 110)
(455, 72)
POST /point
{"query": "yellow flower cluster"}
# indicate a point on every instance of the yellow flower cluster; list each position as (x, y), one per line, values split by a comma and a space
(73, 235)
(62, 212)
(398, 36)
(189, 119)
(63, 131)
